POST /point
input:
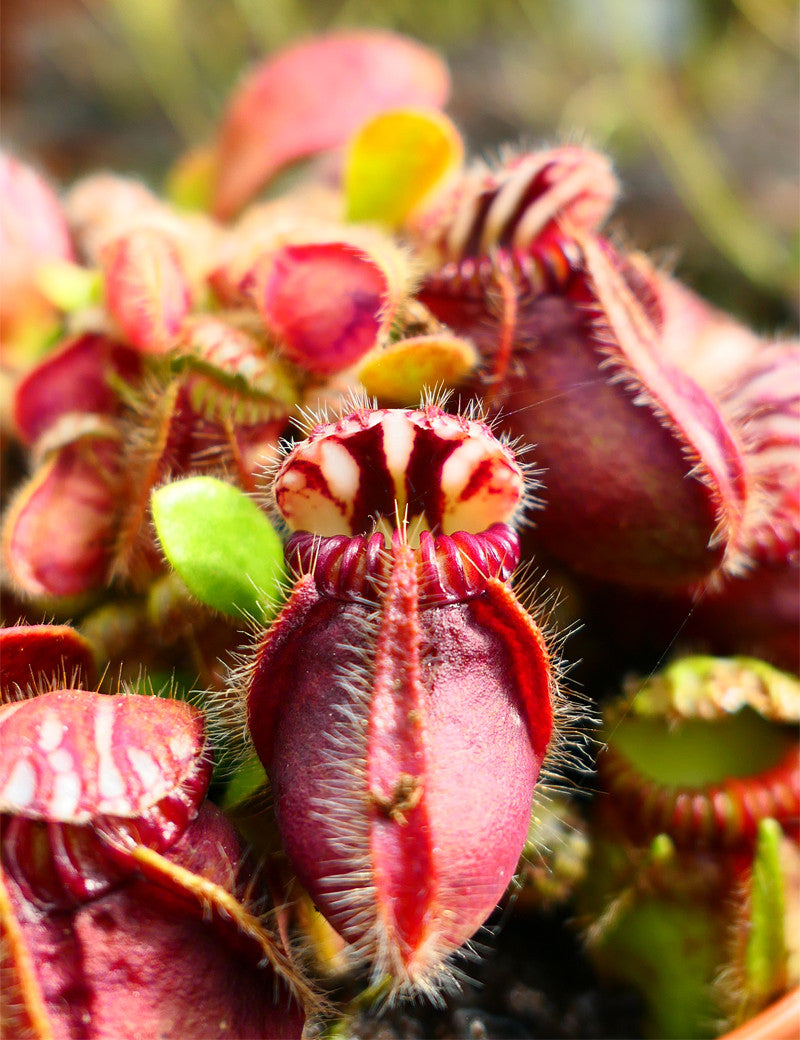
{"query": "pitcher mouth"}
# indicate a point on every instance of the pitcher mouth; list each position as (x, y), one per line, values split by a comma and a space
(725, 810)
(424, 469)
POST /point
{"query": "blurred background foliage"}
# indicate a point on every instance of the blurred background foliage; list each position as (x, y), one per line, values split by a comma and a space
(696, 100)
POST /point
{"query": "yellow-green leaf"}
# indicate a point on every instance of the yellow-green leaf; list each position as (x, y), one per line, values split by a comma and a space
(766, 954)
(396, 160)
(398, 374)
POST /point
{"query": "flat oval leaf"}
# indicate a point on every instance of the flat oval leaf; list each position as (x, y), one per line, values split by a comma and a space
(396, 161)
(310, 97)
(146, 288)
(400, 373)
(327, 302)
(69, 286)
(221, 544)
(60, 529)
(31, 656)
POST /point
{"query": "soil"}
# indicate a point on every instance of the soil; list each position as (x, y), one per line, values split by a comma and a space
(532, 982)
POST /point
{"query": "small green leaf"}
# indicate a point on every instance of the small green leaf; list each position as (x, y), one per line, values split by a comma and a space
(670, 952)
(396, 161)
(190, 182)
(247, 780)
(69, 286)
(221, 544)
(766, 956)
(399, 373)
(662, 850)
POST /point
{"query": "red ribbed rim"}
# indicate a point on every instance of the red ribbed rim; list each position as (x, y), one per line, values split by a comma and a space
(719, 815)
(451, 568)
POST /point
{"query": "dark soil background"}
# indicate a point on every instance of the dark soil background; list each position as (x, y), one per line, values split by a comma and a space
(533, 983)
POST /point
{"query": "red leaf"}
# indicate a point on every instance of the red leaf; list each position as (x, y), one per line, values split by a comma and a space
(32, 655)
(311, 97)
(74, 378)
(59, 534)
(33, 229)
(147, 290)
(326, 302)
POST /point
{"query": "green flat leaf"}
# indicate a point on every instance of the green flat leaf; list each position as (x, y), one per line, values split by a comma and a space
(396, 160)
(221, 544)
(399, 373)
(766, 956)
(670, 952)
(247, 780)
(69, 286)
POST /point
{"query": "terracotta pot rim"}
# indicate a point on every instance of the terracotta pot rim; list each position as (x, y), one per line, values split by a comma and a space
(780, 1021)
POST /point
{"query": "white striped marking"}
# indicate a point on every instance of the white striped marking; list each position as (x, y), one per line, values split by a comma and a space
(110, 783)
(66, 796)
(145, 767)
(20, 788)
(51, 732)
